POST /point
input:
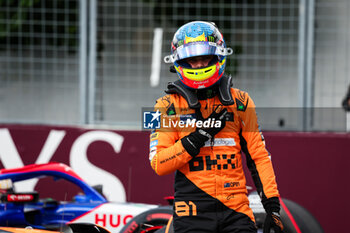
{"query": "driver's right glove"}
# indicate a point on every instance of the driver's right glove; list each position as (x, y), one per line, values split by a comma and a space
(196, 140)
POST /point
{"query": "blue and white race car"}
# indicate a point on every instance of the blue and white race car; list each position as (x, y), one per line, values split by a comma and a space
(87, 206)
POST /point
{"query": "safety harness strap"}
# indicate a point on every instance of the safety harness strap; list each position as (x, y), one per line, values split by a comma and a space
(225, 95)
(178, 87)
(190, 96)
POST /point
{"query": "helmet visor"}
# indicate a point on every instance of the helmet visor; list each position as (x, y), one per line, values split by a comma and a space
(194, 49)
(197, 49)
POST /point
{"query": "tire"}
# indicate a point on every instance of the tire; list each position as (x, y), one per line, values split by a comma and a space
(304, 219)
(149, 221)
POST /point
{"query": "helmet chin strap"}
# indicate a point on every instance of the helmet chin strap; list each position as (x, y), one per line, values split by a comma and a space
(191, 97)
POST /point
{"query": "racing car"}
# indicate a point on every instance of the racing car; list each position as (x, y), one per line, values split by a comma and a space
(70, 228)
(295, 218)
(28, 209)
(90, 206)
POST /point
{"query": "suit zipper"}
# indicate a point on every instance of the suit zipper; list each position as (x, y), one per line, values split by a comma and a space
(209, 112)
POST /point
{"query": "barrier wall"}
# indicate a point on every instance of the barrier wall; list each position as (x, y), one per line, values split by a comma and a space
(311, 168)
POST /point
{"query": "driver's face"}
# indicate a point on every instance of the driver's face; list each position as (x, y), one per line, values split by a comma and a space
(200, 61)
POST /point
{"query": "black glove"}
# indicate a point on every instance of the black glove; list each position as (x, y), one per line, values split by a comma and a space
(195, 140)
(273, 218)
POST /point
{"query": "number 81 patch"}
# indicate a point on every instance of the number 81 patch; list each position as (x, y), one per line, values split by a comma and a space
(187, 208)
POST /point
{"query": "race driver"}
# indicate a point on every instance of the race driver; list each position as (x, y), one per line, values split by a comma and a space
(205, 124)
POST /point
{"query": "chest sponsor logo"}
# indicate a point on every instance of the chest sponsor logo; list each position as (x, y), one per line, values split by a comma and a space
(221, 162)
(221, 142)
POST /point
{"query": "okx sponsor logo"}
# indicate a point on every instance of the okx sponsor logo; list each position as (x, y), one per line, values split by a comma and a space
(151, 119)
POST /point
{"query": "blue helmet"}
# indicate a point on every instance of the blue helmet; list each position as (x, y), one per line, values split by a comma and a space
(198, 38)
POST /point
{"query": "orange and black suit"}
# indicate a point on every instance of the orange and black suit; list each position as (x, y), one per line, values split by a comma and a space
(210, 188)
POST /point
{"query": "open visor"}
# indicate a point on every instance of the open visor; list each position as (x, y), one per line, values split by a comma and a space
(197, 49)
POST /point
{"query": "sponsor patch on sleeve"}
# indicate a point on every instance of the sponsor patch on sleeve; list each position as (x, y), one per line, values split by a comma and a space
(153, 143)
(152, 153)
(154, 136)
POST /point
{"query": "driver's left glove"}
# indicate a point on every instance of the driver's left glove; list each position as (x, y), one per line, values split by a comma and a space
(273, 218)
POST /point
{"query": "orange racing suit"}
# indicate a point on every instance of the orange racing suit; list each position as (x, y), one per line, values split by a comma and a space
(216, 173)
